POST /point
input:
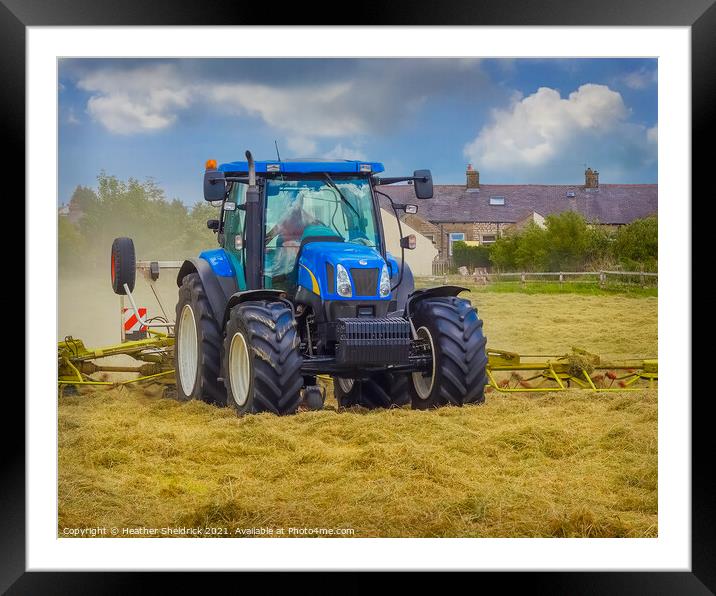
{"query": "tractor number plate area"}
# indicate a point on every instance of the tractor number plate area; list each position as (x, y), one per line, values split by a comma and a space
(372, 341)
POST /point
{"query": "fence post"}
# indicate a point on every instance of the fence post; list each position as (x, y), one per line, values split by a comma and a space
(561, 279)
(602, 279)
(522, 279)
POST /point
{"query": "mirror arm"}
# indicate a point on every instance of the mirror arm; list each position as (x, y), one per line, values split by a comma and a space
(400, 179)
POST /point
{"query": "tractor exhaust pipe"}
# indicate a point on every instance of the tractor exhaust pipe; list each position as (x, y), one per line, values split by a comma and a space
(254, 230)
(252, 168)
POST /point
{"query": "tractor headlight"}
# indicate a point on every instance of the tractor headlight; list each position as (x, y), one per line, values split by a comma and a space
(384, 282)
(343, 281)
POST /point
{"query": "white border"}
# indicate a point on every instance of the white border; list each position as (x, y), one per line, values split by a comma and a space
(671, 550)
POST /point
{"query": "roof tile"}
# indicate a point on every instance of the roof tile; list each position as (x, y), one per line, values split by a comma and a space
(610, 204)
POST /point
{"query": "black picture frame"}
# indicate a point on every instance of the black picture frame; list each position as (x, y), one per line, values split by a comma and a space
(700, 15)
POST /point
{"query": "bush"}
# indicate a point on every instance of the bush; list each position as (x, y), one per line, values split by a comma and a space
(569, 243)
(637, 244)
(464, 255)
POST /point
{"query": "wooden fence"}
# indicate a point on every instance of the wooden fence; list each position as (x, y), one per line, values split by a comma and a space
(602, 278)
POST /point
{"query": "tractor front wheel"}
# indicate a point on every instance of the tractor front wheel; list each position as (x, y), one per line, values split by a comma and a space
(382, 390)
(452, 332)
(198, 345)
(261, 359)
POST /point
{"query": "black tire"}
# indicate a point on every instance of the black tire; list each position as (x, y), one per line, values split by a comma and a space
(272, 342)
(206, 385)
(382, 390)
(460, 358)
(315, 398)
(123, 265)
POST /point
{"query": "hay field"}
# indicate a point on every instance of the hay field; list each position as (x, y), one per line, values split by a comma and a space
(567, 464)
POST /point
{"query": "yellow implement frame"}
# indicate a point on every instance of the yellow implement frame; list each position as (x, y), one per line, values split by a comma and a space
(579, 369)
(542, 373)
(76, 362)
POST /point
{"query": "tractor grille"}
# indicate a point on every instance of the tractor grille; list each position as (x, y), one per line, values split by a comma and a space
(372, 341)
(365, 282)
(330, 278)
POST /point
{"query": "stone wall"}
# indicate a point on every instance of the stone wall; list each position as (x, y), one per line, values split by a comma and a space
(439, 233)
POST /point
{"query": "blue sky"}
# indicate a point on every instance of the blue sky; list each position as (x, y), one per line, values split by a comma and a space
(516, 120)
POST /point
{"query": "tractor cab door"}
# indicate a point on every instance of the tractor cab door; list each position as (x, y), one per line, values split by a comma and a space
(233, 230)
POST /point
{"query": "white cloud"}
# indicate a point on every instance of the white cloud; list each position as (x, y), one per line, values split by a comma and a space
(344, 152)
(71, 117)
(301, 146)
(302, 99)
(314, 110)
(535, 130)
(137, 100)
(640, 79)
(652, 134)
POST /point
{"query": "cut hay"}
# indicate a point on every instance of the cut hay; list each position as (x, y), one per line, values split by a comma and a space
(575, 463)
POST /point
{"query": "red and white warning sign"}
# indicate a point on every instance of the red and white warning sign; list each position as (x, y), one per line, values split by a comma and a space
(133, 329)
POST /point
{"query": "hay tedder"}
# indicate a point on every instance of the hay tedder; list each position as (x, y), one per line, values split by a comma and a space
(302, 287)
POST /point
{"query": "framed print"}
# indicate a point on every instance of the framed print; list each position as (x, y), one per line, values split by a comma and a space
(415, 315)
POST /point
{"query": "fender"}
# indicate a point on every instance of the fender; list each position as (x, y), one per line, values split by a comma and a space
(440, 291)
(214, 288)
(263, 294)
(406, 287)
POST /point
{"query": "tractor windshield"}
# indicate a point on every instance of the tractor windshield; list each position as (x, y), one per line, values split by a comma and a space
(298, 206)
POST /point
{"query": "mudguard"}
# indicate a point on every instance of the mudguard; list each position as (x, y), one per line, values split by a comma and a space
(405, 289)
(263, 294)
(217, 289)
(436, 292)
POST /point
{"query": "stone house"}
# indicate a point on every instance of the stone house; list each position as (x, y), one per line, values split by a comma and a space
(483, 212)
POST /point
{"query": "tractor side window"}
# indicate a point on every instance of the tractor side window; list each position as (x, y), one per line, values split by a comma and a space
(234, 220)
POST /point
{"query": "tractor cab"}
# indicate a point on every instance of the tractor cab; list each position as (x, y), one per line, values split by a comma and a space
(309, 228)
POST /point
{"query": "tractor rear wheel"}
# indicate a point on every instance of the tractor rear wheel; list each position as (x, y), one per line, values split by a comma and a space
(198, 345)
(453, 332)
(261, 360)
(382, 390)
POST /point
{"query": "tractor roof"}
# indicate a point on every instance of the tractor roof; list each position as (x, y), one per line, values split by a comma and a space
(306, 166)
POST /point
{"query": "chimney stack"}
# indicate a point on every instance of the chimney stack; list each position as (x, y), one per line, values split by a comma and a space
(591, 178)
(473, 177)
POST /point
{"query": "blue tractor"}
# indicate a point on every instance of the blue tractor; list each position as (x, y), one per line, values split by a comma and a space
(302, 285)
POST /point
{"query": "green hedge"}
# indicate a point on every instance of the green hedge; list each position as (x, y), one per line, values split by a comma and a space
(469, 256)
(569, 243)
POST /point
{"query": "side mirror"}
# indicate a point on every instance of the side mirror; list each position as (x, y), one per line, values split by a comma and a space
(214, 185)
(212, 224)
(411, 209)
(408, 242)
(423, 184)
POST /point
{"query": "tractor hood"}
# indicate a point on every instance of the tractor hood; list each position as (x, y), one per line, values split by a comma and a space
(318, 265)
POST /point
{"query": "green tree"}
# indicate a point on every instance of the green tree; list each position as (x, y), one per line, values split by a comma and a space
(161, 228)
(502, 253)
(72, 248)
(83, 198)
(638, 243)
(567, 240)
(531, 248)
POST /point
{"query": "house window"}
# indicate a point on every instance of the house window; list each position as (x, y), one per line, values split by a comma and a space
(455, 237)
(488, 238)
(497, 200)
